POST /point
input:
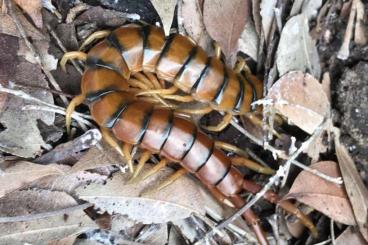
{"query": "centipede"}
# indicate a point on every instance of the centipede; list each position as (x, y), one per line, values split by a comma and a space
(126, 119)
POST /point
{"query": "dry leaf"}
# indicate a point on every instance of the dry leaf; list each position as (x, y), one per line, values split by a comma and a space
(40, 231)
(225, 22)
(190, 21)
(96, 158)
(297, 50)
(21, 173)
(165, 9)
(328, 198)
(350, 237)
(308, 7)
(177, 201)
(33, 9)
(300, 98)
(248, 41)
(357, 192)
(267, 14)
(7, 26)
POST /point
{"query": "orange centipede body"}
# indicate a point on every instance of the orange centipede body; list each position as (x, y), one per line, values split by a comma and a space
(133, 48)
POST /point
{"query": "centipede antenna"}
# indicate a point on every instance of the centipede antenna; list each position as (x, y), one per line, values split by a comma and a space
(72, 55)
(93, 37)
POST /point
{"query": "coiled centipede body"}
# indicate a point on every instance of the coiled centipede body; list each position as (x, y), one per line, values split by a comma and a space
(116, 108)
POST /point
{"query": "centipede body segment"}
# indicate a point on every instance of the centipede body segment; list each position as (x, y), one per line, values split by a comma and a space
(115, 107)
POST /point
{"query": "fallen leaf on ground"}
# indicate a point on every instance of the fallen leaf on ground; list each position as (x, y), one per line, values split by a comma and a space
(190, 21)
(33, 9)
(225, 22)
(177, 201)
(349, 236)
(166, 10)
(308, 7)
(357, 192)
(96, 158)
(300, 98)
(21, 173)
(267, 14)
(326, 197)
(297, 51)
(41, 230)
(248, 41)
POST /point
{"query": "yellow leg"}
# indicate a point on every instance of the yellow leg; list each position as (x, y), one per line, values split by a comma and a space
(229, 147)
(155, 169)
(72, 55)
(71, 108)
(217, 50)
(180, 98)
(219, 196)
(140, 77)
(240, 65)
(241, 161)
(199, 111)
(137, 84)
(166, 91)
(223, 124)
(153, 79)
(171, 179)
(144, 158)
(94, 36)
(111, 140)
(127, 149)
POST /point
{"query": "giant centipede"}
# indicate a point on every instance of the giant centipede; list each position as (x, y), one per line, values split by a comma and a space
(158, 130)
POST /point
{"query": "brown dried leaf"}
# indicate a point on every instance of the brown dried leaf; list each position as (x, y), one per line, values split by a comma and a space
(328, 198)
(349, 236)
(225, 22)
(300, 98)
(33, 9)
(41, 230)
(177, 201)
(21, 173)
(267, 14)
(357, 192)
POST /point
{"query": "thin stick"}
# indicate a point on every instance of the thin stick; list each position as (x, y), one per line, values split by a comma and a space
(282, 154)
(276, 178)
(30, 217)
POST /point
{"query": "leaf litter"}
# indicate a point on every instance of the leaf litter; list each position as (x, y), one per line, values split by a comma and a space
(49, 187)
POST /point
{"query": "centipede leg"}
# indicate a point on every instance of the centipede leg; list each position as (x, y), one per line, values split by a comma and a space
(272, 197)
(106, 135)
(166, 91)
(217, 50)
(171, 179)
(94, 36)
(127, 149)
(140, 77)
(155, 169)
(223, 124)
(180, 98)
(251, 219)
(219, 196)
(144, 158)
(72, 55)
(241, 161)
(71, 108)
(154, 80)
(199, 111)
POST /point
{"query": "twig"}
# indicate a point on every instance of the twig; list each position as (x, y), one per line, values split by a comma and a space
(333, 239)
(30, 217)
(343, 53)
(274, 179)
(282, 155)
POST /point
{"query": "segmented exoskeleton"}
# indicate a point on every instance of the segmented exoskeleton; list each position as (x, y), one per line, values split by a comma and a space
(116, 108)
